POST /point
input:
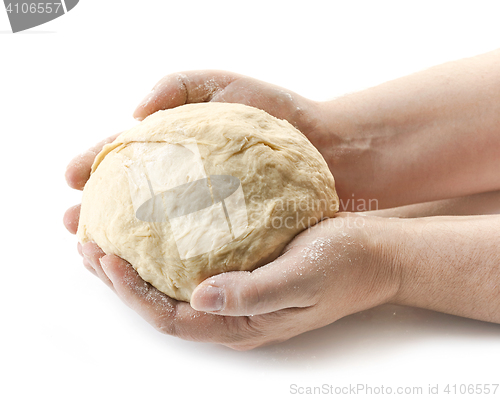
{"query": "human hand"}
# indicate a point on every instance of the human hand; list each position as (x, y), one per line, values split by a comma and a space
(219, 86)
(328, 271)
(293, 292)
(403, 142)
(387, 264)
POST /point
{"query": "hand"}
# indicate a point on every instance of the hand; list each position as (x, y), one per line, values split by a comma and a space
(289, 296)
(328, 271)
(362, 267)
(219, 86)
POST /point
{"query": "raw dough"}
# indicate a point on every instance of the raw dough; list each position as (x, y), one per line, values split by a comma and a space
(202, 189)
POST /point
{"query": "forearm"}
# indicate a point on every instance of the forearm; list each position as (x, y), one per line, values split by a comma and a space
(451, 265)
(478, 204)
(428, 136)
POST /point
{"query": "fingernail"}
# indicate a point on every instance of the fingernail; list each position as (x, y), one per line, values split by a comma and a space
(209, 298)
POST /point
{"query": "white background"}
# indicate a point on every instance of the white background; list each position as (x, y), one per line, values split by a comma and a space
(69, 83)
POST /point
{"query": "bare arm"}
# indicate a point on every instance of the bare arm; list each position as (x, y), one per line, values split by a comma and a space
(429, 136)
(424, 137)
(478, 204)
(451, 264)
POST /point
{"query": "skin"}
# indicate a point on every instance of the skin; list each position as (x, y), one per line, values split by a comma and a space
(477, 204)
(431, 137)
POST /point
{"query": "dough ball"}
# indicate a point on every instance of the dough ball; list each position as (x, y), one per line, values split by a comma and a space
(202, 189)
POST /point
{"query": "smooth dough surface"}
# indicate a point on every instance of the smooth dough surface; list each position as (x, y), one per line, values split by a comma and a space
(249, 183)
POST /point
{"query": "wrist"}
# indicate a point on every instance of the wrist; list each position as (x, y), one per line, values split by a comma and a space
(384, 241)
(371, 246)
(352, 149)
(424, 247)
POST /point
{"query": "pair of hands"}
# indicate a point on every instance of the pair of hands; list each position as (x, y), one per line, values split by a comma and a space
(327, 272)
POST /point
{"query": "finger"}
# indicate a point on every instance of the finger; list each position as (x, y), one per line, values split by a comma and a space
(93, 253)
(71, 217)
(132, 289)
(183, 88)
(78, 170)
(86, 262)
(168, 315)
(89, 266)
(288, 282)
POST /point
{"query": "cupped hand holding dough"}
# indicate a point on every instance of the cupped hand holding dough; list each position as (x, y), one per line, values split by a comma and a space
(203, 189)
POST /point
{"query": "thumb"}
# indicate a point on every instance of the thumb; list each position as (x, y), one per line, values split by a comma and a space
(183, 88)
(286, 282)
